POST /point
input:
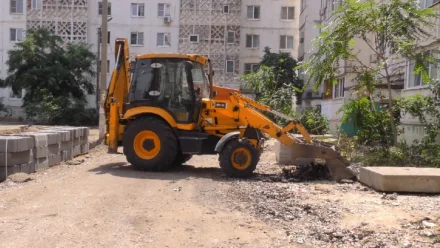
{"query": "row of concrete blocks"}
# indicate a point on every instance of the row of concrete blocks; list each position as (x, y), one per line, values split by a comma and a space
(30, 151)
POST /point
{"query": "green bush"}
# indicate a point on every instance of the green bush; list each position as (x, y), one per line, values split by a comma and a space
(314, 121)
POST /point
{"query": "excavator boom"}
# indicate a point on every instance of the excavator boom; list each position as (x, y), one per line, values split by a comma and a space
(304, 148)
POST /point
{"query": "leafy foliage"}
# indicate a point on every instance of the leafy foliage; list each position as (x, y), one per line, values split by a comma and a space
(390, 29)
(283, 66)
(373, 123)
(314, 121)
(56, 76)
(279, 98)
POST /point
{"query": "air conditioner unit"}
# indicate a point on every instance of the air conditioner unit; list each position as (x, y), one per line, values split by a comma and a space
(301, 40)
(167, 19)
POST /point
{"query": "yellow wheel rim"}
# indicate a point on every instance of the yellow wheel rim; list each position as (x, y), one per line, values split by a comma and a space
(146, 145)
(241, 158)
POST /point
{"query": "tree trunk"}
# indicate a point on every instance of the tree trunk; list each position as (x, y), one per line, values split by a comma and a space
(390, 106)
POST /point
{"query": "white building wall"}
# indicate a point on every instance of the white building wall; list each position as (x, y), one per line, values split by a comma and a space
(9, 20)
(123, 23)
(269, 27)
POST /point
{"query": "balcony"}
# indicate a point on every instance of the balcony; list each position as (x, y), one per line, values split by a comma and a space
(310, 95)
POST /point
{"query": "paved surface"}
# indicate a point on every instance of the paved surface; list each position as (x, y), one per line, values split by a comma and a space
(104, 203)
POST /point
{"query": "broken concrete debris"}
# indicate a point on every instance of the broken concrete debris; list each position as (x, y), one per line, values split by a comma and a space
(30, 151)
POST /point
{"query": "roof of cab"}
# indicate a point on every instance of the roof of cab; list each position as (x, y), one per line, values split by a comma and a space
(193, 57)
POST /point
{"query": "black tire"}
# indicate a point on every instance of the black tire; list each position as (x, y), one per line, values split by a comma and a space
(168, 147)
(229, 153)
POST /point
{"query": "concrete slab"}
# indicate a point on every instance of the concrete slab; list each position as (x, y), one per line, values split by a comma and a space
(54, 149)
(65, 134)
(401, 179)
(66, 155)
(14, 158)
(55, 159)
(41, 163)
(85, 148)
(74, 131)
(66, 145)
(42, 139)
(15, 143)
(10, 170)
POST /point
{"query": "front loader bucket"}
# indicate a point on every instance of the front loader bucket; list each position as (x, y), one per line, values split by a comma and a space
(337, 165)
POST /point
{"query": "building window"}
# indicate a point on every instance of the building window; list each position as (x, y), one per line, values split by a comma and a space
(415, 81)
(253, 12)
(427, 3)
(230, 66)
(194, 38)
(338, 89)
(336, 4)
(287, 13)
(137, 10)
(163, 10)
(231, 37)
(36, 4)
(15, 96)
(225, 9)
(16, 34)
(248, 68)
(163, 40)
(137, 38)
(252, 41)
(286, 42)
(108, 37)
(16, 6)
(108, 66)
(100, 8)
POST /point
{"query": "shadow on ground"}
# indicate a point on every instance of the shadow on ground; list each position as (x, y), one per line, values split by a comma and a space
(124, 169)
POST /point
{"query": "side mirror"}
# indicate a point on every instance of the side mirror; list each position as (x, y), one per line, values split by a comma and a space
(198, 91)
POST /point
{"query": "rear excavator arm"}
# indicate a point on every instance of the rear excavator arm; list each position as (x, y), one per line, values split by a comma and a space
(250, 114)
(117, 94)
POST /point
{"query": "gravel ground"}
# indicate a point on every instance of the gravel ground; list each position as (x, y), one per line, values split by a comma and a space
(98, 200)
(328, 214)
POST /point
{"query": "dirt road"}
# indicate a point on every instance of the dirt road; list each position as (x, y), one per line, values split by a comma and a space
(103, 202)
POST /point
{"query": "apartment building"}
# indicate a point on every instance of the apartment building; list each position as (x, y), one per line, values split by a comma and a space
(232, 33)
(405, 84)
(212, 28)
(273, 23)
(411, 127)
(12, 27)
(309, 19)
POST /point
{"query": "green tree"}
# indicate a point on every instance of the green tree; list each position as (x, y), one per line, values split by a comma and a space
(264, 83)
(55, 75)
(392, 30)
(283, 66)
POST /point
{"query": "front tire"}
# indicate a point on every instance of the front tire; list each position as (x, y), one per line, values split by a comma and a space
(150, 144)
(239, 158)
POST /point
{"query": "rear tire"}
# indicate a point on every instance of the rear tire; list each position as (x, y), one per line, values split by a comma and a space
(150, 144)
(239, 158)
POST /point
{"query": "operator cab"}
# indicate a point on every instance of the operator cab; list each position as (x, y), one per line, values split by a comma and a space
(175, 83)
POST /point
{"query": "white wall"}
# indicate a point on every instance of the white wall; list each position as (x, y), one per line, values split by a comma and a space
(122, 24)
(9, 20)
(269, 27)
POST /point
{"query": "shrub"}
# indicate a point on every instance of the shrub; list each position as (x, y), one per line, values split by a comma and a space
(314, 121)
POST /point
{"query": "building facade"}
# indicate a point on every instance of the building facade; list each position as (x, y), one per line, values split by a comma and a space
(405, 83)
(232, 34)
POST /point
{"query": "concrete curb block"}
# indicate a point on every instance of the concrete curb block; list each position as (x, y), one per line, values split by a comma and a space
(28, 152)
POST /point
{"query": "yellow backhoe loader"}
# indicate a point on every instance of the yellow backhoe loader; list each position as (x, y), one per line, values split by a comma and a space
(163, 108)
